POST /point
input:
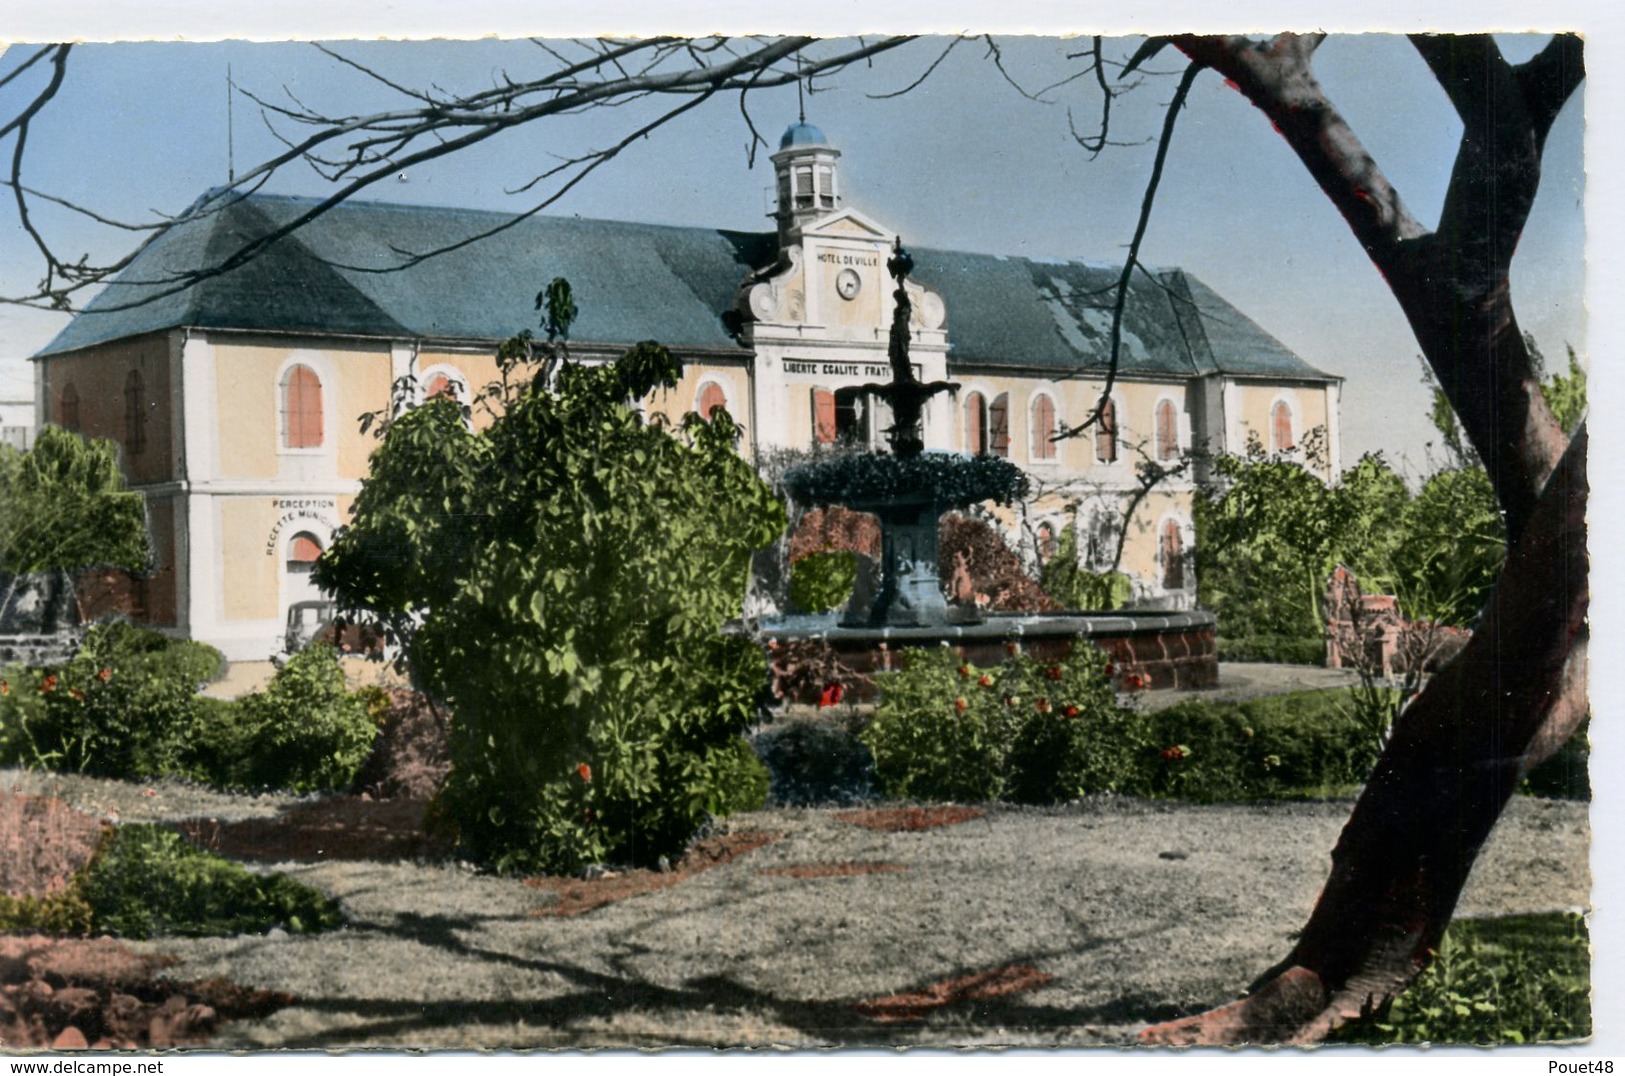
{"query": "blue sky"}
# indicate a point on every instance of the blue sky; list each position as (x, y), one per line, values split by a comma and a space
(963, 161)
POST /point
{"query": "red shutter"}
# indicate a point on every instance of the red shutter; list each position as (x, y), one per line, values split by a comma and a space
(304, 551)
(1106, 434)
(1281, 419)
(823, 402)
(1043, 428)
(975, 424)
(1167, 431)
(711, 398)
(302, 408)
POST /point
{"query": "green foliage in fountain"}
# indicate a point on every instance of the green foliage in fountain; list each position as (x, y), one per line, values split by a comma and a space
(948, 480)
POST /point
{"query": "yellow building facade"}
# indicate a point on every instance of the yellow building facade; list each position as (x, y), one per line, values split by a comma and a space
(236, 400)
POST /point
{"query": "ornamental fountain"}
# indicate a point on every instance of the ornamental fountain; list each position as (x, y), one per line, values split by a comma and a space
(908, 490)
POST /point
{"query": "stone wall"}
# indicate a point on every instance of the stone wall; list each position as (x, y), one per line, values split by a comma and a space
(39, 618)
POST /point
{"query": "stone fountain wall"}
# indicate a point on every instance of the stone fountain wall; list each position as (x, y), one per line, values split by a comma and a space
(1168, 649)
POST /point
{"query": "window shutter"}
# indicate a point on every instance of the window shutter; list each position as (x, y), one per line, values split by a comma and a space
(999, 425)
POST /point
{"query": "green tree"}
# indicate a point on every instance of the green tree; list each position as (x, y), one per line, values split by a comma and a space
(570, 570)
(1267, 534)
(64, 505)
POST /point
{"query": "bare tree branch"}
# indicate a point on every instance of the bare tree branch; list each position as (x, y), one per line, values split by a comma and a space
(1132, 259)
(357, 151)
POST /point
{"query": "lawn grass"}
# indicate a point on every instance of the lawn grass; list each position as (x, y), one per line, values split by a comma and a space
(1515, 979)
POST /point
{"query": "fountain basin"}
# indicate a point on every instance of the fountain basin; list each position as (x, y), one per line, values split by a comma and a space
(1169, 649)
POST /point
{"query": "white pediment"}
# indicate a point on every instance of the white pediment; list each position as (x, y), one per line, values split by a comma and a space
(846, 224)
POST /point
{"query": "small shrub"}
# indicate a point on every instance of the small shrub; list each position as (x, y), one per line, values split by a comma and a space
(815, 762)
(1519, 979)
(823, 581)
(306, 732)
(121, 708)
(410, 758)
(64, 912)
(1281, 746)
(1028, 730)
(149, 880)
(1273, 649)
(738, 781)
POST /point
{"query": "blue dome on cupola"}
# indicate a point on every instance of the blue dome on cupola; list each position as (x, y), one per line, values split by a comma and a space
(802, 134)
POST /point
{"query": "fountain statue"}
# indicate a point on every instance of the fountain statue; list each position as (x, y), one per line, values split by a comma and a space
(907, 490)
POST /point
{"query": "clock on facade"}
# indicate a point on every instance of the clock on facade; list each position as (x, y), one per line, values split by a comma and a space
(847, 283)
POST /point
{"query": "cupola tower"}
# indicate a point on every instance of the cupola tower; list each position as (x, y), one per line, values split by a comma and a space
(805, 164)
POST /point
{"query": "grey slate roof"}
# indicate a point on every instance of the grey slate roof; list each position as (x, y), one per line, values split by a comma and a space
(635, 282)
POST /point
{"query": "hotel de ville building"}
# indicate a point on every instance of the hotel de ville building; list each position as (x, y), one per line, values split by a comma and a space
(234, 401)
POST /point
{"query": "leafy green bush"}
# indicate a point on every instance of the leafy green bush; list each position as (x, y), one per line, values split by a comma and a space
(1518, 979)
(126, 707)
(571, 568)
(1027, 730)
(63, 912)
(305, 732)
(122, 707)
(1305, 743)
(817, 761)
(1073, 587)
(820, 582)
(148, 880)
(1273, 649)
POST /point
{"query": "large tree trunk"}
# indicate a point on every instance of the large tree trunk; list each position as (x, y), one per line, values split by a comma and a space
(1517, 692)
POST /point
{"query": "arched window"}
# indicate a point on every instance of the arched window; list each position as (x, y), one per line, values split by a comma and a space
(1106, 434)
(135, 414)
(976, 424)
(1167, 430)
(998, 426)
(1173, 557)
(1281, 439)
(68, 410)
(823, 405)
(1043, 427)
(301, 408)
(711, 398)
(440, 385)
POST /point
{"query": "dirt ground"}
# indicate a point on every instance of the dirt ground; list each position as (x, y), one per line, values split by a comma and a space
(1074, 925)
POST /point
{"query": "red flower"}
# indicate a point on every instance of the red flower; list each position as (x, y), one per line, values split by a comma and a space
(986, 680)
(960, 704)
(965, 671)
(48, 685)
(1111, 670)
(1070, 711)
(149, 792)
(1042, 706)
(831, 695)
(1053, 672)
(1012, 649)
(1010, 700)
(5, 688)
(584, 772)
(1175, 753)
(105, 675)
(76, 694)
(1135, 682)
